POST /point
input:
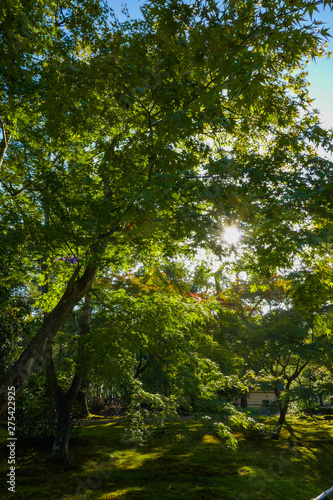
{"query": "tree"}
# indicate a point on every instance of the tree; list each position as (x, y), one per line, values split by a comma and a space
(64, 400)
(275, 339)
(34, 39)
(144, 317)
(283, 346)
(32, 35)
(116, 153)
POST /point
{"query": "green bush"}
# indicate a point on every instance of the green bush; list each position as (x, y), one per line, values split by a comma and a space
(35, 414)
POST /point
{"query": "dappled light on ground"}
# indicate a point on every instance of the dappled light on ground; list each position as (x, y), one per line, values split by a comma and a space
(183, 462)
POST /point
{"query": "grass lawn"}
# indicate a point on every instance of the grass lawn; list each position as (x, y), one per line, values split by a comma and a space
(183, 463)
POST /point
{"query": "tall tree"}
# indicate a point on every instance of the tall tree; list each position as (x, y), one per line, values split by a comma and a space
(135, 138)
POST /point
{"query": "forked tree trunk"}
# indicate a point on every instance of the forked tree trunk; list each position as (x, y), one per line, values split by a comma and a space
(64, 404)
(64, 401)
(282, 418)
(18, 375)
(283, 404)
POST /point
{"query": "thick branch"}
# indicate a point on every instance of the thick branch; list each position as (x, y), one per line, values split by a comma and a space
(140, 369)
(19, 374)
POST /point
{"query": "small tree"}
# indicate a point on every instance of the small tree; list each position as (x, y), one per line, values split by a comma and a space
(279, 348)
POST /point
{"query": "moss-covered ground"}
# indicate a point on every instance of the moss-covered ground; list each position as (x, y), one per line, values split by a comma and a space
(184, 462)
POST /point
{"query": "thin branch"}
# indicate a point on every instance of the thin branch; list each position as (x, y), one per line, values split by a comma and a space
(4, 142)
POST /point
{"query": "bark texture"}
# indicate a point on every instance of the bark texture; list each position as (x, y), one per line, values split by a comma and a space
(19, 374)
(64, 401)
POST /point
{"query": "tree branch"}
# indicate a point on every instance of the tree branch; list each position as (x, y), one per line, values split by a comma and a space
(4, 142)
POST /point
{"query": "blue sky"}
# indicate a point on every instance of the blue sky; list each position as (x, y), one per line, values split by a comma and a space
(320, 71)
(321, 76)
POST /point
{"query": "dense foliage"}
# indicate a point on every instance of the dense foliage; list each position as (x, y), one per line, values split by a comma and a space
(129, 143)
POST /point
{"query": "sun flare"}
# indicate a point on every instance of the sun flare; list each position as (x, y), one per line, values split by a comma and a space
(232, 235)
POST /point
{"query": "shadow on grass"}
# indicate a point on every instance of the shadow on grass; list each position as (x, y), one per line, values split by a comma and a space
(183, 463)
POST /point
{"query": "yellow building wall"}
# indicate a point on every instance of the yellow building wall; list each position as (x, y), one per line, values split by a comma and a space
(255, 398)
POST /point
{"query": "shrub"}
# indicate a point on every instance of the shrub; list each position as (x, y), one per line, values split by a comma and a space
(35, 414)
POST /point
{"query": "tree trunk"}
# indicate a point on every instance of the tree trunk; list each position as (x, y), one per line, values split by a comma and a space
(243, 400)
(283, 407)
(64, 404)
(280, 422)
(64, 401)
(59, 452)
(19, 374)
(81, 399)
